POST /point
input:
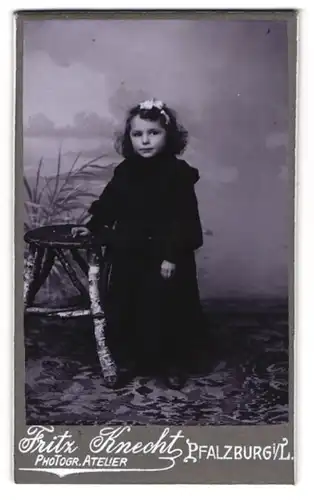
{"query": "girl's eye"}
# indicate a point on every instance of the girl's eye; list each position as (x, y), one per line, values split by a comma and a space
(155, 132)
(136, 134)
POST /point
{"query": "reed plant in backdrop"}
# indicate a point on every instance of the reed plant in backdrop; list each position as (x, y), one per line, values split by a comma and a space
(63, 197)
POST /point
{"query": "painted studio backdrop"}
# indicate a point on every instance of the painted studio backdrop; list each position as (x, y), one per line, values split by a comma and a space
(228, 82)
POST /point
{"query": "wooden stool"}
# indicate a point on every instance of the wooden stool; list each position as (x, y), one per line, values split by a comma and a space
(50, 243)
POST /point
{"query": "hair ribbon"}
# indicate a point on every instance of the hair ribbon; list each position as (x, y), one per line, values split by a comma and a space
(153, 103)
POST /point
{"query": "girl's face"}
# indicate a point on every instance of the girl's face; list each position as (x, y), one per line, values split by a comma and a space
(147, 137)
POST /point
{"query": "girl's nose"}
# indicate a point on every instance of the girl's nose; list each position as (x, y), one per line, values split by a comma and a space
(145, 139)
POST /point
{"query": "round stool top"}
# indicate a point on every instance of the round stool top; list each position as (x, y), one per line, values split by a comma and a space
(60, 236)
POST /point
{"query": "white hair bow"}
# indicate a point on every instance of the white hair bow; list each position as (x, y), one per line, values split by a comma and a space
(154, 103)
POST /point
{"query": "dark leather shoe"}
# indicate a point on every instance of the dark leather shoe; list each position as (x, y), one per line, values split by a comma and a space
(175, 381)
(122, 378)
(112, 382)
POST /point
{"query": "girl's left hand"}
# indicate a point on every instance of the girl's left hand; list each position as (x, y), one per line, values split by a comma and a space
(167, 269)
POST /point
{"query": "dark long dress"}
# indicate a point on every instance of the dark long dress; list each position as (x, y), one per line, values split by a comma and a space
(151, 213)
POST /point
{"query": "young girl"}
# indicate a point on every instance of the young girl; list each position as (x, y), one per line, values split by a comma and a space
(149, 216)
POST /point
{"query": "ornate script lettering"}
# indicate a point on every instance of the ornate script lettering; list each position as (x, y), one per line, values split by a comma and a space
(37, 441)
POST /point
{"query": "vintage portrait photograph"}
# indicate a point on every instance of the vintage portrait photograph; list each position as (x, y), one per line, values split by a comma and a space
(158, 220)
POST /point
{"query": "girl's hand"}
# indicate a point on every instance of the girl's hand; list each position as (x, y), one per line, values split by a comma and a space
(80, 231)
(167, 269)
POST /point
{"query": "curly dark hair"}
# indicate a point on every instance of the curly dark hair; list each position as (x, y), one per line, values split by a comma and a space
(177, 135)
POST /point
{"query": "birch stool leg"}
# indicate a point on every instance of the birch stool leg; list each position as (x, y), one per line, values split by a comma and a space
(70, 271)
(47, 259)
(31, 273)
(107, 363)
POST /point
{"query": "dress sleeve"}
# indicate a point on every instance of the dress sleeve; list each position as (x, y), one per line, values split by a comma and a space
(184, 231)
(104, 210)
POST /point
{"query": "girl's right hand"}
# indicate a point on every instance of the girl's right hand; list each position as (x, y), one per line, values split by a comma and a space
(80, 231)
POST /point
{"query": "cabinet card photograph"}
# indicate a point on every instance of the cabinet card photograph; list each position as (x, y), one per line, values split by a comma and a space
(154, 232)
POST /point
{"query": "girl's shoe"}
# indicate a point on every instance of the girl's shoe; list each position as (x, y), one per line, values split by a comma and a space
(175, 380)
(112, 382)
(123, 378)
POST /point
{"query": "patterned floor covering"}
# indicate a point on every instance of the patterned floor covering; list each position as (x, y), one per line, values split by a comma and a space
(242, 376)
